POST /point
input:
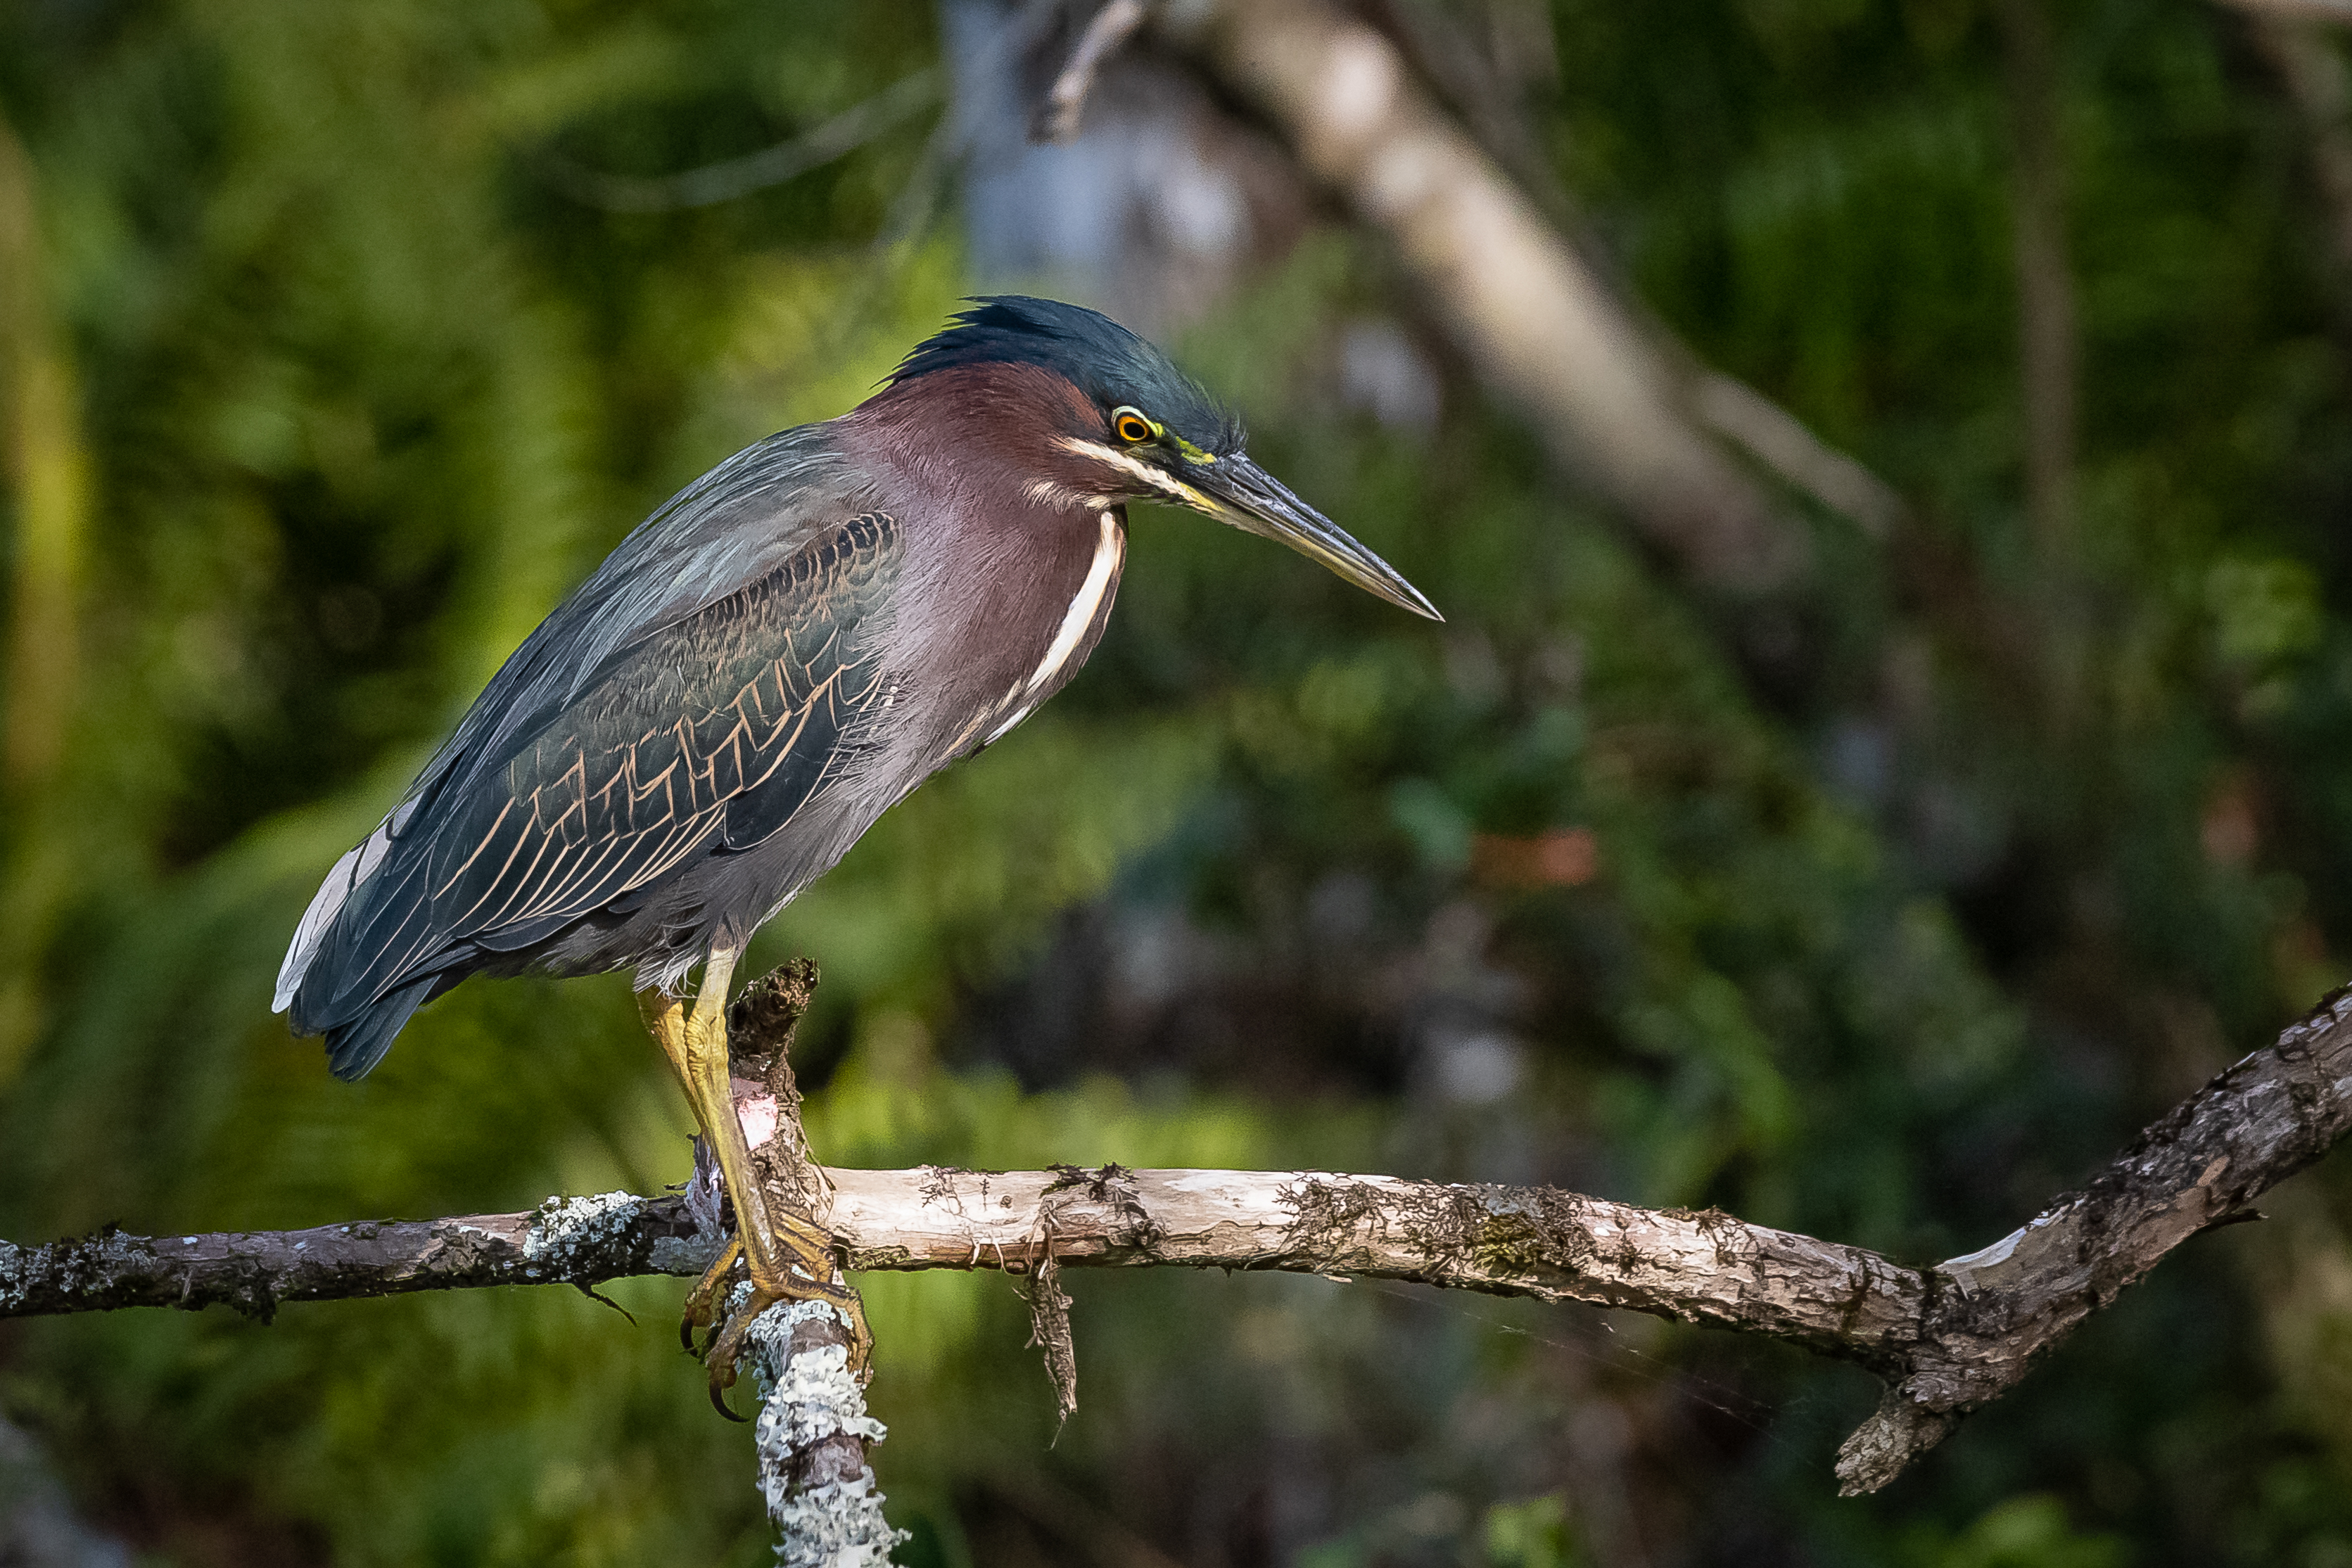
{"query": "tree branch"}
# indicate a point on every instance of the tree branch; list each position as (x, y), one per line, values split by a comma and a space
(2311, 69)
(812, 1435)
(1056, 119)
(712, 183)
(1946, 1339)
(2297, 10)
(1545, 330)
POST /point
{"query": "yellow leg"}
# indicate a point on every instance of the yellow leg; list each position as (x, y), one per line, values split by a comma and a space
(790, 1262)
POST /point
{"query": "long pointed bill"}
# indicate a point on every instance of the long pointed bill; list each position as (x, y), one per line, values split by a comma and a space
(1254, 500)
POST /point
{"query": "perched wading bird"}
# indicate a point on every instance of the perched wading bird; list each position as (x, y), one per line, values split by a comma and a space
(762, 668)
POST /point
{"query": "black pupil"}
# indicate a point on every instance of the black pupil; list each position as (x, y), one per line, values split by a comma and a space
(1133, 428)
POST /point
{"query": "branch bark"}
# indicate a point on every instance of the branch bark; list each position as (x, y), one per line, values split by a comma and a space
(1945, 1339)
(812, 1435)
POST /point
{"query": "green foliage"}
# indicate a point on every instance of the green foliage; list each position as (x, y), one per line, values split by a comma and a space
(2023, 1532)
(1906, 900)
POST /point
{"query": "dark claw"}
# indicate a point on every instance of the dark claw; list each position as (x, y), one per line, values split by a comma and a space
(725, 1346)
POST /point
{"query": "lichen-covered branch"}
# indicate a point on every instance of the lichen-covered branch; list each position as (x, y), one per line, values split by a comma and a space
(1705, 1267)
(581, 1242)
(1946, 1339)
(812, 1435)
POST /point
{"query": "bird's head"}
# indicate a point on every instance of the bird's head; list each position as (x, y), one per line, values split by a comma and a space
(1131, 426)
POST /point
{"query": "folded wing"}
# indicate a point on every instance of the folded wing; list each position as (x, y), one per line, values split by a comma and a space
(703, 738)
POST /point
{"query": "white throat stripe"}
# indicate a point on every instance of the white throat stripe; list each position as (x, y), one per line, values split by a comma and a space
(1110, 549)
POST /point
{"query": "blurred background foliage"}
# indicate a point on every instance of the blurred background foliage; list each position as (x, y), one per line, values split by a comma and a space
(339, 341)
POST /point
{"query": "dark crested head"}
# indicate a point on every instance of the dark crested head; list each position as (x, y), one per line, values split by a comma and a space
(1113, 367)
(1138, 429)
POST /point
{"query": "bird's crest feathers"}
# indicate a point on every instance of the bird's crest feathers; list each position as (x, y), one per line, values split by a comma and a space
(1103, 359)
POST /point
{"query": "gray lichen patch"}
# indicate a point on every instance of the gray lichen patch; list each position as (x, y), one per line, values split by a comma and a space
(567, 1232)
(808, 1392)
(679, 1255)
(811, 1431)
(837, 1525)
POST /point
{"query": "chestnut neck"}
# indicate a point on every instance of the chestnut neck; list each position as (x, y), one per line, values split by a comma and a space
(983, 437)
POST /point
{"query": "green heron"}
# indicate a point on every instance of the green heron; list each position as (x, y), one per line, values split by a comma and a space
(783, 651)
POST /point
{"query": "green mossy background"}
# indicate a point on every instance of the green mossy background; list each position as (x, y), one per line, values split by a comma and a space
(1879, 950)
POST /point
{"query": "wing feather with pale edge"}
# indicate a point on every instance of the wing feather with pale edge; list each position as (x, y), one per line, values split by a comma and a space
(707, 735)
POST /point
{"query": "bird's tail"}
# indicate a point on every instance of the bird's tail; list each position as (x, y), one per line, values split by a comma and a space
(354, 1048)
(318, 987)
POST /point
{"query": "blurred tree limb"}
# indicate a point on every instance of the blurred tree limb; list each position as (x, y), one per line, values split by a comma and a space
(2048, 339)
(2305, 57)
(1945, 1339)
(1056, 118)
(1607, 393)
(725, 182)
(2298, 10)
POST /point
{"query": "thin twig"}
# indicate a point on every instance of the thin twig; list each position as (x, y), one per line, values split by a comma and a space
(714, 183)
(1056, 119)
(1780, 441)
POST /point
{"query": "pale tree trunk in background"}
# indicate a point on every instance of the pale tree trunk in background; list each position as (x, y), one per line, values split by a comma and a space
(2312, 71)
(1546, 333)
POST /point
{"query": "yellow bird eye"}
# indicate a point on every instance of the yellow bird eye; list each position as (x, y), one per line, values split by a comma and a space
(1132, 427)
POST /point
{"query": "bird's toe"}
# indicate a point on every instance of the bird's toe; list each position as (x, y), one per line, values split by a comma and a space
(702, 1308)
(726, 1345)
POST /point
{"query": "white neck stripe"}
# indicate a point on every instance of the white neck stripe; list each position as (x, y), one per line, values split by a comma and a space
(1110, 549)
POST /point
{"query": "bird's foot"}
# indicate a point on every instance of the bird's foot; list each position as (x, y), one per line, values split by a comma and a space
(725, 1346)
(702, 1301)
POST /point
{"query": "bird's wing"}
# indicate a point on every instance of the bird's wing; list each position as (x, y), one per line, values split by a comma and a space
(737, 525)
(733, 527)
(706, 734)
